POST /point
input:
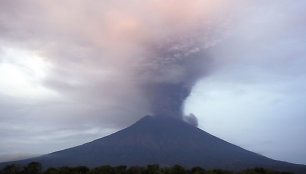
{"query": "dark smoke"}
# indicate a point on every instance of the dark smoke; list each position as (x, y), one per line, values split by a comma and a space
(167, 98)
(173, 69)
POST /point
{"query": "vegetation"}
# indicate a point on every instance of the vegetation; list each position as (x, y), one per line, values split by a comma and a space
(36, 168)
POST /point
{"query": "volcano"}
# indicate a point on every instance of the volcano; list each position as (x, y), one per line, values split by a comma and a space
(165, 141)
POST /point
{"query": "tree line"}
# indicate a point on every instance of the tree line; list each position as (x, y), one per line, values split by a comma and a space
(36, 168)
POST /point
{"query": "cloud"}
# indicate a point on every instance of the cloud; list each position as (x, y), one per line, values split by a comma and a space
(107, 54)
(254, 92)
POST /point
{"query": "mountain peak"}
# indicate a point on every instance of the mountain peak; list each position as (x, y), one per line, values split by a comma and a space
(159, 119)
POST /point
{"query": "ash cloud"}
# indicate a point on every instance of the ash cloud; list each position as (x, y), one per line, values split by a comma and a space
(121, 61)
(172, 70)
(191, 119)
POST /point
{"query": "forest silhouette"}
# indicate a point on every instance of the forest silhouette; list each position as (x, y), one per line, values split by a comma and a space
(36, 168)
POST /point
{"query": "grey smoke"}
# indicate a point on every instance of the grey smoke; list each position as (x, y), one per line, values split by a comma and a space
(173, 68)
(191, 119)
(121, 62)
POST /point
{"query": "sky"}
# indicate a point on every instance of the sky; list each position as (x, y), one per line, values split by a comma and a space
(73, 71)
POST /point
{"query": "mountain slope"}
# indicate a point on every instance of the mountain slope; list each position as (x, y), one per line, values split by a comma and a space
(164, 141)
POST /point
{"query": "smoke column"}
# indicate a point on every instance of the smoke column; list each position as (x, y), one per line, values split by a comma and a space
(121, 60)
(172, 69)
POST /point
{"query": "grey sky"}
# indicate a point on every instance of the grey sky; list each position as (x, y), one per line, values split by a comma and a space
(71, 73)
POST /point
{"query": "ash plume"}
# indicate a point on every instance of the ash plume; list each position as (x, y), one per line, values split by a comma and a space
(191, 119)
(172, 69)
(123, 61)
